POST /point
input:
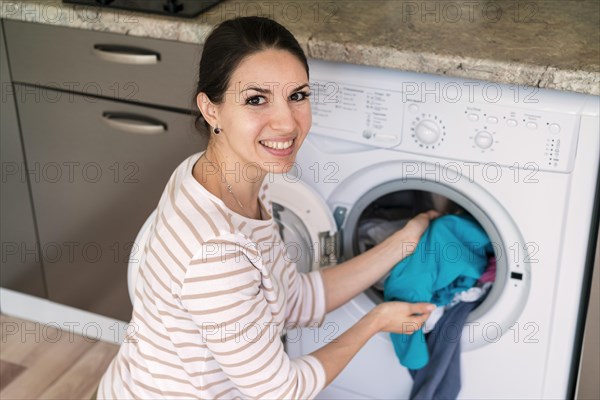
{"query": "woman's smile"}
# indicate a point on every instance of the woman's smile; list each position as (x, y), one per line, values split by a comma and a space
(279, 147)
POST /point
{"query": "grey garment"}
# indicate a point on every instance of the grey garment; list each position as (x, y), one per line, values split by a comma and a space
(374, 231)
(440, 378)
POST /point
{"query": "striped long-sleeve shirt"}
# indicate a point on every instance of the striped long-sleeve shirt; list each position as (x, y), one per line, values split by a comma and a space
(214, 293)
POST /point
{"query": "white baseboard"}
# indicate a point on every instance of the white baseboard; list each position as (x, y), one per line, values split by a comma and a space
(67, 319)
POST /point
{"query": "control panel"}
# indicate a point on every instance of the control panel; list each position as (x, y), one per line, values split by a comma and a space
(509, 136)
(523, 136)
(357, 113)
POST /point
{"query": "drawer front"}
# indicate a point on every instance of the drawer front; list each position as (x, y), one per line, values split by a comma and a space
(96, 175)
(103, 64)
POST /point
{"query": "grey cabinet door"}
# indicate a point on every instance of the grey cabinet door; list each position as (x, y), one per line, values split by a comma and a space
(20, 267)
(98, 63)
(93, 184)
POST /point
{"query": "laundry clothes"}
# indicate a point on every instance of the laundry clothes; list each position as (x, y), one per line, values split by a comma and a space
(440, 378)
(373, 231)
(433, 319)
(489, 275)
(450, 257)
(469, 296)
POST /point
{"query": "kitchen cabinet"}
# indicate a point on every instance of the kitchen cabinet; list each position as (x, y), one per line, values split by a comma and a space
(20, 265)
(100, 64)
(97, 162)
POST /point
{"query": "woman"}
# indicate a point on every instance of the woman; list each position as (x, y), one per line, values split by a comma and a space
(215, 290)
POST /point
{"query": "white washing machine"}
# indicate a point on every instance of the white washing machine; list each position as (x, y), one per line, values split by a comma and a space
(522, 161)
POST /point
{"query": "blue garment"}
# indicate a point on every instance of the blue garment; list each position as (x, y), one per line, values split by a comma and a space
(440, 378)
(450, 257)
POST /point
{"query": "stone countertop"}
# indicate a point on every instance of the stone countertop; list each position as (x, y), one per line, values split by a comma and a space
(548, 44)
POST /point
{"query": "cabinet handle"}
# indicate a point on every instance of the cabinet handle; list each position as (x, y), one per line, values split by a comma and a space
(125, 54)
(134, 123)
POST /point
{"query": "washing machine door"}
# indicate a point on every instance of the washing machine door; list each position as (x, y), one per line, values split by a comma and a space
(306, 225)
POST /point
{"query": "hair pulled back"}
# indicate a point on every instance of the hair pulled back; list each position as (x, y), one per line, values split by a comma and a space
(232, 41)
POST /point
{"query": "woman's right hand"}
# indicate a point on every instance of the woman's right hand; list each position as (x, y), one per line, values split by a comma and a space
(401, 317)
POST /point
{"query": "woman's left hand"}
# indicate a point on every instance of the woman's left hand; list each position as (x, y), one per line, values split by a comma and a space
(408, 237)
(418, 224)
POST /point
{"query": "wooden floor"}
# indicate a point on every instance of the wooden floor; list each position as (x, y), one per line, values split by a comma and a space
(39, 361)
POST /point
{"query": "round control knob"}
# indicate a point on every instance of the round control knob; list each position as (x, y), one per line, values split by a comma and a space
(484, 140)
(428, 131)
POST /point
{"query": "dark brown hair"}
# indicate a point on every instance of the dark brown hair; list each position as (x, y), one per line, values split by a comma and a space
(232, 41)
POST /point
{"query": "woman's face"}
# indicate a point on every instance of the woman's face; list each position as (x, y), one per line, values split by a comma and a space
(265, 115)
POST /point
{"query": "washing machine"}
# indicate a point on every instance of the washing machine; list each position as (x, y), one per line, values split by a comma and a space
(523, 161)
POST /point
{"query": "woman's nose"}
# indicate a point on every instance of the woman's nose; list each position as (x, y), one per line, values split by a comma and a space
(283, 119)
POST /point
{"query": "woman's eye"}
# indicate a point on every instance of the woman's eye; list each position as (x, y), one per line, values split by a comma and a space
(255, 100)
(299, 96)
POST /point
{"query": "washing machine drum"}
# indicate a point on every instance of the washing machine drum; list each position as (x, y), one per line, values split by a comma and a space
(386, 208)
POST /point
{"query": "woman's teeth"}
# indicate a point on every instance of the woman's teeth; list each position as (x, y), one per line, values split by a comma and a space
(277, 145)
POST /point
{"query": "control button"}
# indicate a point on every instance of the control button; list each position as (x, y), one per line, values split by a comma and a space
(492, 120)
(554, 128)
(473, 117)
(428, 131)
(511, 122)
(484, 140)
(531, 125)
(413, 108)
(367, 134)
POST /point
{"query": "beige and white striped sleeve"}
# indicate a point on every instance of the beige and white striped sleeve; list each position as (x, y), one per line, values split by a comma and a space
(306, 301)
(222, 291)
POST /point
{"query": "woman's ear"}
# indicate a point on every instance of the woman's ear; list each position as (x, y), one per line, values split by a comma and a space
(208, 109)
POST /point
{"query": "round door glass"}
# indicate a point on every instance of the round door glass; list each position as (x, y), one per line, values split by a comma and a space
(384, 209)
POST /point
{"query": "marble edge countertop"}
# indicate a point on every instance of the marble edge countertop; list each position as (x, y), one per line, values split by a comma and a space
(547, 44)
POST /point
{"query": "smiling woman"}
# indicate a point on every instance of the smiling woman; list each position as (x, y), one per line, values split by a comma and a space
(215, 290)
(261, 122)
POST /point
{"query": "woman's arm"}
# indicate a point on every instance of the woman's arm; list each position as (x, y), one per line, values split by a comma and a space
(393, 316)
(236, 316)
(346, 280)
